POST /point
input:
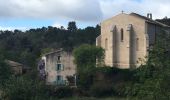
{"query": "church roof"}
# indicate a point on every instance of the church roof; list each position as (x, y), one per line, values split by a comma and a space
(149, 20)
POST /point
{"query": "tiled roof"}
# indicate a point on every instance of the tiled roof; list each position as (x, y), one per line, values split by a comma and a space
(149, 20)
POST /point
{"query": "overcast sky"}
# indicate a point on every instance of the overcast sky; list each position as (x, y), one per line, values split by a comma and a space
(25, 14)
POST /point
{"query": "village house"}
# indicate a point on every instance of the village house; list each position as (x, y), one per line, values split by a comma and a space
(17, 68)
(127, 38)
(57, 68)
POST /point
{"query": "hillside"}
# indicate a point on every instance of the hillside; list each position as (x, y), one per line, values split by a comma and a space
(26, 47)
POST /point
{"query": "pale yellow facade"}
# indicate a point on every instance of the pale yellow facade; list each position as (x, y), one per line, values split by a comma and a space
(125, 38)
(58, 66)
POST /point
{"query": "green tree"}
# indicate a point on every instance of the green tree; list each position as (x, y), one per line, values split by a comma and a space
(87, 55)
(72, 26)
(5, 70)
(85, 59)
(154, 77)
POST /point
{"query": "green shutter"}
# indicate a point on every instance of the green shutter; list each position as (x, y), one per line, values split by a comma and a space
(62, 67)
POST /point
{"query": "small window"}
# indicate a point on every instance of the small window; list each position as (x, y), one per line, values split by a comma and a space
(137, 44)
(59, 67)
(122, 37)
(58, 58)
(106, 43)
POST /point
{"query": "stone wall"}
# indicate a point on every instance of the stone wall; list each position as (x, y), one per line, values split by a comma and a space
(66, 60)
(123, 53)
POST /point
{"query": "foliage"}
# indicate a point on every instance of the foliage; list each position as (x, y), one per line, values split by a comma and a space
(153, 78)
(26, 47)
(72, 26)
(85, 59)
(116, 79)
(61, 92)
(100, 89)
(86, 55)
(5, 70)
(23, 88)
(164, 20)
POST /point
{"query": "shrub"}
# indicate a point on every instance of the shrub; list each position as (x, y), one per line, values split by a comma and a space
(61, 92)
(101, 89)
(22, 88)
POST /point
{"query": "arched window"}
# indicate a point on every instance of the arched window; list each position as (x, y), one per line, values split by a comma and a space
(122, 37)
(106, 43)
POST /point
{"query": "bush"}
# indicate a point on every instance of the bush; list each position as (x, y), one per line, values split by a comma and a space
(61, 92)
(22, 88)
(85, 80)
(101, 89)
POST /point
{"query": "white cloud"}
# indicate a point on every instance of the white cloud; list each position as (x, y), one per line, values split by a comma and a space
(80, 10)
(159, 8)
(86, 10)
(13, 28)
(58, 25)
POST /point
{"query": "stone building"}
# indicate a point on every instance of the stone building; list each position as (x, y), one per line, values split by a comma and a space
(126, 38)
(17, 68)
(58, 68)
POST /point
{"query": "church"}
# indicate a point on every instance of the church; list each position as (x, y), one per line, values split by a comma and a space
(126, 39)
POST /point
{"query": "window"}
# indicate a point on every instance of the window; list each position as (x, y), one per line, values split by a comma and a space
(58, 58)
(59, 78)
(106, 43)
(59, 67)
(122, 37)
(137, 44)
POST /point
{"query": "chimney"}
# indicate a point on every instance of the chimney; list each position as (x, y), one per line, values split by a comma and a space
(149, 15)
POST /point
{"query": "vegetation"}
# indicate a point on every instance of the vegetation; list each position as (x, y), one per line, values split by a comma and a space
(164, 20)
(148, 82)
(153, 78)
(23, 88)
(26, 47)
(85, 59)
(5, 72)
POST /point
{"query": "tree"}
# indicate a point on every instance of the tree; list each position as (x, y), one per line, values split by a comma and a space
(5, 70)
(86, 55)
(72, 26)
(154, 77)
(85, 59)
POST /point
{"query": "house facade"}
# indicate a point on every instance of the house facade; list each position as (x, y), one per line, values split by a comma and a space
(59, 68)
(127, 38)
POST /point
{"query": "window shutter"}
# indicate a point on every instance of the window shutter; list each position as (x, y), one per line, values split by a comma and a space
(56, 67)
(62, 67)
